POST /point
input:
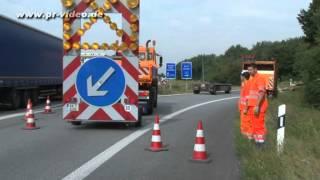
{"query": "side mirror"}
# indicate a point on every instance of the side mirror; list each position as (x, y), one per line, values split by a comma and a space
(161, 61)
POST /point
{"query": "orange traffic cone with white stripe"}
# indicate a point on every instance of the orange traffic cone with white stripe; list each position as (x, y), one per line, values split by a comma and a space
(156, 143)
(47, 108)
(30, 121)
(29, 106)
(199, 151)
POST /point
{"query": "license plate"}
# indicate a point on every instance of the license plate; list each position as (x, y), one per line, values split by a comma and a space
(127, 108)
(73, 107)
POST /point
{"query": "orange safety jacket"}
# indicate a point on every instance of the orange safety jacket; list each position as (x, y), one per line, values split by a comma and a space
(243, 95)
(257, 84)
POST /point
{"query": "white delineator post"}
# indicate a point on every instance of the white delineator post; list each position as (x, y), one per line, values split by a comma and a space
(281, 127)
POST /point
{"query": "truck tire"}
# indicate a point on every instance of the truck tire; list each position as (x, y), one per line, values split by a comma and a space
(213, 91)
(155, 101)
(196, 92)
(139, 122)
(25, 95)
(150, 102)
(227, 91)
(15, 99)
(34, 96)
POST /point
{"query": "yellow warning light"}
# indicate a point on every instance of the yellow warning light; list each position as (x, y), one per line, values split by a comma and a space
(95, 46)
(66, 45)
(105, 46)
(119, 32)
(80, 32)
(133, 18)
(66, 26)
(85, 46)
(93, 20)
(133, 3)
(93, 5)
(133, 46)
(67, 3)
(106, 19)
(87, 25)
(66, 36)
(113, 26)
(113, 1)
(134, 27)
(107, 5)
(115, 46)
(134, 37)
(76, 46)
(100, 12)
(123, 47)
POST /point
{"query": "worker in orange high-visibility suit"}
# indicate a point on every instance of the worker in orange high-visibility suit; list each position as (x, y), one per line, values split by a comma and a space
(257, 104)
(245, 122)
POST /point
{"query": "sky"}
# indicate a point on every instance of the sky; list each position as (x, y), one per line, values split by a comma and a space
(184, 29)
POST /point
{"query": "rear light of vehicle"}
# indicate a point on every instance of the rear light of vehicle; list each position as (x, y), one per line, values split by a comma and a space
(144, 93)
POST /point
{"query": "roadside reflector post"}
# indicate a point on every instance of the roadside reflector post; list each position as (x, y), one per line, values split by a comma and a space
(281, 127)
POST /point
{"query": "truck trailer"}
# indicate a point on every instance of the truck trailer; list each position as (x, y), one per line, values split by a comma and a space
(30, 64)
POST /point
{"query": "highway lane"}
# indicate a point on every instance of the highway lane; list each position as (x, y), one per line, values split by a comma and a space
(59, 148)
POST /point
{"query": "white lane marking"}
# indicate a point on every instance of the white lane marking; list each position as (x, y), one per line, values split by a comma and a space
(168, 95)
(87, 168)
(23, 113)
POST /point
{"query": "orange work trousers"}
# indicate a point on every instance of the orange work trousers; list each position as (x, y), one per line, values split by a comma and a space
(259, 130)
(246, 125)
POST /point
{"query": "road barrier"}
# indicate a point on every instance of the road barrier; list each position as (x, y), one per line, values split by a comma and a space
(199, 150)
(281, 127)
(47, 108)
(30, 121)
(29, 106)
(156, 142)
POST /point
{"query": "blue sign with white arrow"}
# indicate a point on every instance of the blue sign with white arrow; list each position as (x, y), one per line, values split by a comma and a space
(186, 70)
(171, 72)
(100, 82)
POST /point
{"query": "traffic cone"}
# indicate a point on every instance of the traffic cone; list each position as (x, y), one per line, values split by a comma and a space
(30, 122)
(156, 143)
(47, 109)
(29, 106)
(199, 151)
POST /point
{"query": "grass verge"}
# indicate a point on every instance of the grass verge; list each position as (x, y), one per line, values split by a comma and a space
(176, 87)
(301, 156)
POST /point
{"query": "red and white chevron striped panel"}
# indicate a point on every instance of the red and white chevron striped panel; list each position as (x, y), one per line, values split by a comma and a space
(129, 63)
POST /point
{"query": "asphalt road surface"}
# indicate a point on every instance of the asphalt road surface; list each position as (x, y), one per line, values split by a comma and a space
(59, 150)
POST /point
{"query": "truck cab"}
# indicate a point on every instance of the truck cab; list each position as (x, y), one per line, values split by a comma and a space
(149, 63)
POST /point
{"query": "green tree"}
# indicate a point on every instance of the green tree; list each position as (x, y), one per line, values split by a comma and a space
(310, 22)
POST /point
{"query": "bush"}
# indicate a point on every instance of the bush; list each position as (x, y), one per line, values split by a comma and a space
(312, 93)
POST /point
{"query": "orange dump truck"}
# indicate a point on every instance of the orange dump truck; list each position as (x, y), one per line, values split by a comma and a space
(269, 70)
(149, 63)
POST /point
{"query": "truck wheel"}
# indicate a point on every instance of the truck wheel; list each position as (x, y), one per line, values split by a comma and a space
(16, 99)
(25, 95)
(227, 91)
(150, 107)
(139, 122)
(213, 91)
(35, 96)
(196, 92)
(155, 102)
(76, 123)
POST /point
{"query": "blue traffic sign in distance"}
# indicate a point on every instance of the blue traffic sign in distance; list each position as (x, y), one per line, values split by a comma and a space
(100, 82)
(171, 72)
(186, 70)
